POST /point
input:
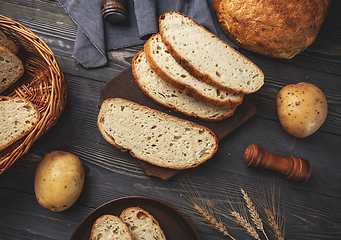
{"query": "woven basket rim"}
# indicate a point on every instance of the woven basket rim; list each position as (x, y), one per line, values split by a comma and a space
(43, 84)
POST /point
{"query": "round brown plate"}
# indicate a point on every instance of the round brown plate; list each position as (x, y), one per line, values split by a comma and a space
(173, 223)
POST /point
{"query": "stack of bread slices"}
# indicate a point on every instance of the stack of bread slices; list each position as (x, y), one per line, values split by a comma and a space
(187, 69)
(190, 70)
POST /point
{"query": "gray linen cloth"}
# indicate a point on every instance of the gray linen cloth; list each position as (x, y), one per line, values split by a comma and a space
(95, 37)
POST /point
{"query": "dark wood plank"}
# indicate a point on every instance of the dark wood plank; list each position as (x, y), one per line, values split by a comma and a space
(312, 210)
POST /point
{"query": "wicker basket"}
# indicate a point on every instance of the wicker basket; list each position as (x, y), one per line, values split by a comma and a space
(43, 84)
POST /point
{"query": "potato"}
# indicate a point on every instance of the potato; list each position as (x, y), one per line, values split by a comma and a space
(301, 108)
(59, 180)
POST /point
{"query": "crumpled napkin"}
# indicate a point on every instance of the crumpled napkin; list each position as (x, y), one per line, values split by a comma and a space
(95, 37)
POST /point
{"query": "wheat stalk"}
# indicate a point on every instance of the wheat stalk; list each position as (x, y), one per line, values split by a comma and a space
(270, 213)
(210, 218)
(271, 219)
(247, 217)
(204, 208)
(246, 225)
(254, 213)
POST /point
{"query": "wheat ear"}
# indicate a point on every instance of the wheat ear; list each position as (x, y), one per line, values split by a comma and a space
(218, 225)
(271, 213)
(273, 224)
(203, 206)
(246, 225)
(254, 213)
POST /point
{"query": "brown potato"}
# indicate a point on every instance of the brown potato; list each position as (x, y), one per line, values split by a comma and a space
(301, 108)
(59, 180)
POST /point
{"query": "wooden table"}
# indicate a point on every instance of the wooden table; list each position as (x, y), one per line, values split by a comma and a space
(312, 210)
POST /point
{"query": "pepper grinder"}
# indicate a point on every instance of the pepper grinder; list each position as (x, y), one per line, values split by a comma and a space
(292, 168)
(114, 11)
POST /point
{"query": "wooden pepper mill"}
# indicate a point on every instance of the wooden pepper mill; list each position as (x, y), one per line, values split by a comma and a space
(293, 168)
(114, 11)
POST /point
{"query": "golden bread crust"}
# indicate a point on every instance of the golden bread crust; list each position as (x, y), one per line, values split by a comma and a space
(272, 28)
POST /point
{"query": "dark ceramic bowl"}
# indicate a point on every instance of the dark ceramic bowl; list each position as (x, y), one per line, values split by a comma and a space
(173, 223)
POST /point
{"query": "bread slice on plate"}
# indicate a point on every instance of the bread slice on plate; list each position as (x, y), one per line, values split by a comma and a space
(155, 137)
(166, 95)
(8, 42)
(163, 63)
(142, 224)
(11, 68)
(110, 227)
(18, 117)
(207, 57)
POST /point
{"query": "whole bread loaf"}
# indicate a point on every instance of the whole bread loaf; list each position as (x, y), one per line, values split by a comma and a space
(142, 224)
(272, 28)
(165, 66)
(18, 116)
(155, 137)
(166, 95)
(8, 42)
(11, 68)
(207, 57)
(110, 227)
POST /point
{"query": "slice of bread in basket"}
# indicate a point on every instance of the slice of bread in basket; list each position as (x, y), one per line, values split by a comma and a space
(142, 224)
(110, 227)
(166, 95)
(11, 68)
(155, 137)
(18, 116)
(8, 42)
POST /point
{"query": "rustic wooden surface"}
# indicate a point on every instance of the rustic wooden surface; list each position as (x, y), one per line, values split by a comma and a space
(312, 210)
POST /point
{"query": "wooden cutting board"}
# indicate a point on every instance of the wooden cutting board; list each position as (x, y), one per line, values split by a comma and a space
(124, 86)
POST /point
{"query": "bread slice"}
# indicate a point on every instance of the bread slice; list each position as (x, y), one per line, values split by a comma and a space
(207, 57)
(154, 136)
(11, 68)
(142, 224)
(18, 116)
(110, 227)
(162, 62)
(8, 42)
(165, 94)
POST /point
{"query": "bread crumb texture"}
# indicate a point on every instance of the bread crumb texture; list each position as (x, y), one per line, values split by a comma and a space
(8, 42)
(11, 68)
(169, 96)
(207, 55)
(110, 227)
(160, 58)
(155, 137)
(17, 116)
(142, 225)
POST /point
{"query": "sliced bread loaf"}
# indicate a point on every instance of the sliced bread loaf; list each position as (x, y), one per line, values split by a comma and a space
(162, 62)
(154, 136)
(11, 68)
(8, 42)
(142, 224)
(165, 94)
(18, 116)
(207, 57)
(110, 227)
